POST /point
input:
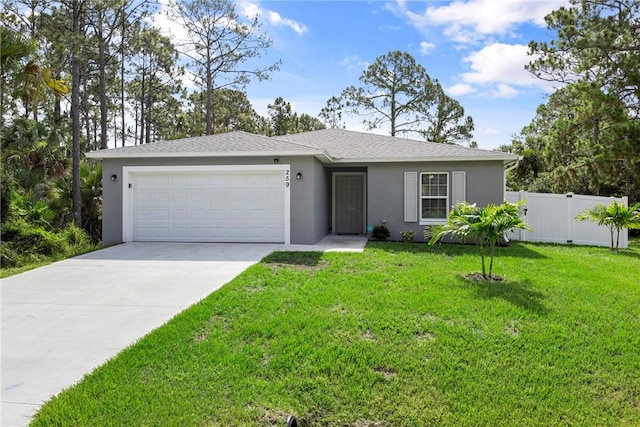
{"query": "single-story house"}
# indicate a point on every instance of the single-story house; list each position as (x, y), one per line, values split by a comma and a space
(240, 187)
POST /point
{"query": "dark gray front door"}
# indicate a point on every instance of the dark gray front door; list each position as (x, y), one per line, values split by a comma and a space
(349, 204)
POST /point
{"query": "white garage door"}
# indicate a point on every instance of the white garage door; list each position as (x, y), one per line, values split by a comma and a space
(209, 206)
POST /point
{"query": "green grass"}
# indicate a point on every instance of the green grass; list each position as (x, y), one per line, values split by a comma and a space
(393, 336)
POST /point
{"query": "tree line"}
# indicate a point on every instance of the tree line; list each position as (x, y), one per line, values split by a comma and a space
(586, 137)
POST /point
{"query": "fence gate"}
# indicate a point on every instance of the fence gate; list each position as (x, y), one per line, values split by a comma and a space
(552, 217)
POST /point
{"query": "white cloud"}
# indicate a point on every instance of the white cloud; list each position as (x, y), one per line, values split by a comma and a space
(491, 131)
(500, 67)
(426, 47)
(274, 18)
(251, 9)
(499, 62)
(352, 62)
(468, 21)
(460, 89)
(503, 91)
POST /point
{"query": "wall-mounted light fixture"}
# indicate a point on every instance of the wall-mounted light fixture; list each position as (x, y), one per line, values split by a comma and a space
(114, 177)
(299, 176)
(275, 161)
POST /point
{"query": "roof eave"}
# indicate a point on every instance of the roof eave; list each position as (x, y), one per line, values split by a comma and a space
(423, 159)
(110, 155)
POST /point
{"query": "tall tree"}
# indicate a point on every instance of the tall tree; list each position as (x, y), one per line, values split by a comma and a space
(597, 41)
(331, 114)
(391, 92)
(220, 43)
(106, 18)
(446, 123)
(307, 123)
(155, 82)
(283, 119)
(77, 16)
(589, 127)
(397, 91)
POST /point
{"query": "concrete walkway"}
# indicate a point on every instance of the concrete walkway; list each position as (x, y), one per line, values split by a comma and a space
(61, 321)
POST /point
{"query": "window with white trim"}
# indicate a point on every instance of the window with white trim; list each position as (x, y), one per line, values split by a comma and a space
(434, 197)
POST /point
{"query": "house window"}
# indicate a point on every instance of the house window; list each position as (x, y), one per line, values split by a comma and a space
(434, 197)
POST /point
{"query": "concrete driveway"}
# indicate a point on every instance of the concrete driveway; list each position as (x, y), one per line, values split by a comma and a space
(61, 321)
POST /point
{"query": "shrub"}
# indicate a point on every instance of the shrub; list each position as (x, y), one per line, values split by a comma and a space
(615, 217)
(24, 243)
(27, 238)
(484, 226)
(407, 235)
(77, 239)
(380, 232)
(429, 231)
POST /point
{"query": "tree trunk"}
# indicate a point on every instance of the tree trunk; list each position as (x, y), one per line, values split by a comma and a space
(122, 111)
(75, 116)
(143, 101)
(102, 89)
(209, 106)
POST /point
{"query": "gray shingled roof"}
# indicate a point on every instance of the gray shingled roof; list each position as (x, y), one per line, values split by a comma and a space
(231, 143)
(330, 145)
(349, 145)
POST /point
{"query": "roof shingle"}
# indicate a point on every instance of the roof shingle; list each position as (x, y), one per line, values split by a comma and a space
(332, 145)
(345, 144)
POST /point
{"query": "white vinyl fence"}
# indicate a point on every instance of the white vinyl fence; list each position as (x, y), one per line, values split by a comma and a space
(552, 217)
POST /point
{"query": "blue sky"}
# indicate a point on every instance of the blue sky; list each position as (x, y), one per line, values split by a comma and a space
(475, 48)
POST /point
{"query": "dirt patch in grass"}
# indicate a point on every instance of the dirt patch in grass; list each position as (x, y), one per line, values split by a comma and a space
(426, 337)
(369, 336)
(274, 417)
(295, 261)
(368, 423)
(478, 277)
(215, 322)
(275, 267)
(512, 329)
(387, 373)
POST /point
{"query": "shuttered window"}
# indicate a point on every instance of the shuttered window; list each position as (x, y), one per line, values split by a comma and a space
(434, 196)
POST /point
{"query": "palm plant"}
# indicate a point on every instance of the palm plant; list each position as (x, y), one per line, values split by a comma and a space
(484, 227)
(615, 217)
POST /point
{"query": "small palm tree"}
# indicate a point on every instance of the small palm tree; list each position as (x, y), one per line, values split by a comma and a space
(615, 217)
(485, 227)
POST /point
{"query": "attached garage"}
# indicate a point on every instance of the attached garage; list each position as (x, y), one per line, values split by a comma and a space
(244, 203)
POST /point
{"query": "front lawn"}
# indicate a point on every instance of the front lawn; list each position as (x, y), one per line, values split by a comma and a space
(395, 336)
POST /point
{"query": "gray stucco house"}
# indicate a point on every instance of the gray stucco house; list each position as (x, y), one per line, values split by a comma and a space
(240, 187)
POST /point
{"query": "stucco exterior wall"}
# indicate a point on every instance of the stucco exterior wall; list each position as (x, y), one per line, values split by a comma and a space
(311, 197)
(385, 186)
(309, 216)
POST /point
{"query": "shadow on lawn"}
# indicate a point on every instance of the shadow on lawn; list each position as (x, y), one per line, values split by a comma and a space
(309, 259)
(518, 293)
(631, 253)
(514, 249)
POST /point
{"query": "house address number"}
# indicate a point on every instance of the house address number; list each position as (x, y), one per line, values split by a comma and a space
(287, 178)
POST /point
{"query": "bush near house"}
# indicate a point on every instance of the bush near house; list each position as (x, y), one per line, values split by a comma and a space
(380, 232)
(407, 236)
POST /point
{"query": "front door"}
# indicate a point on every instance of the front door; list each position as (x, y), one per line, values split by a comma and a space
(349, 204)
